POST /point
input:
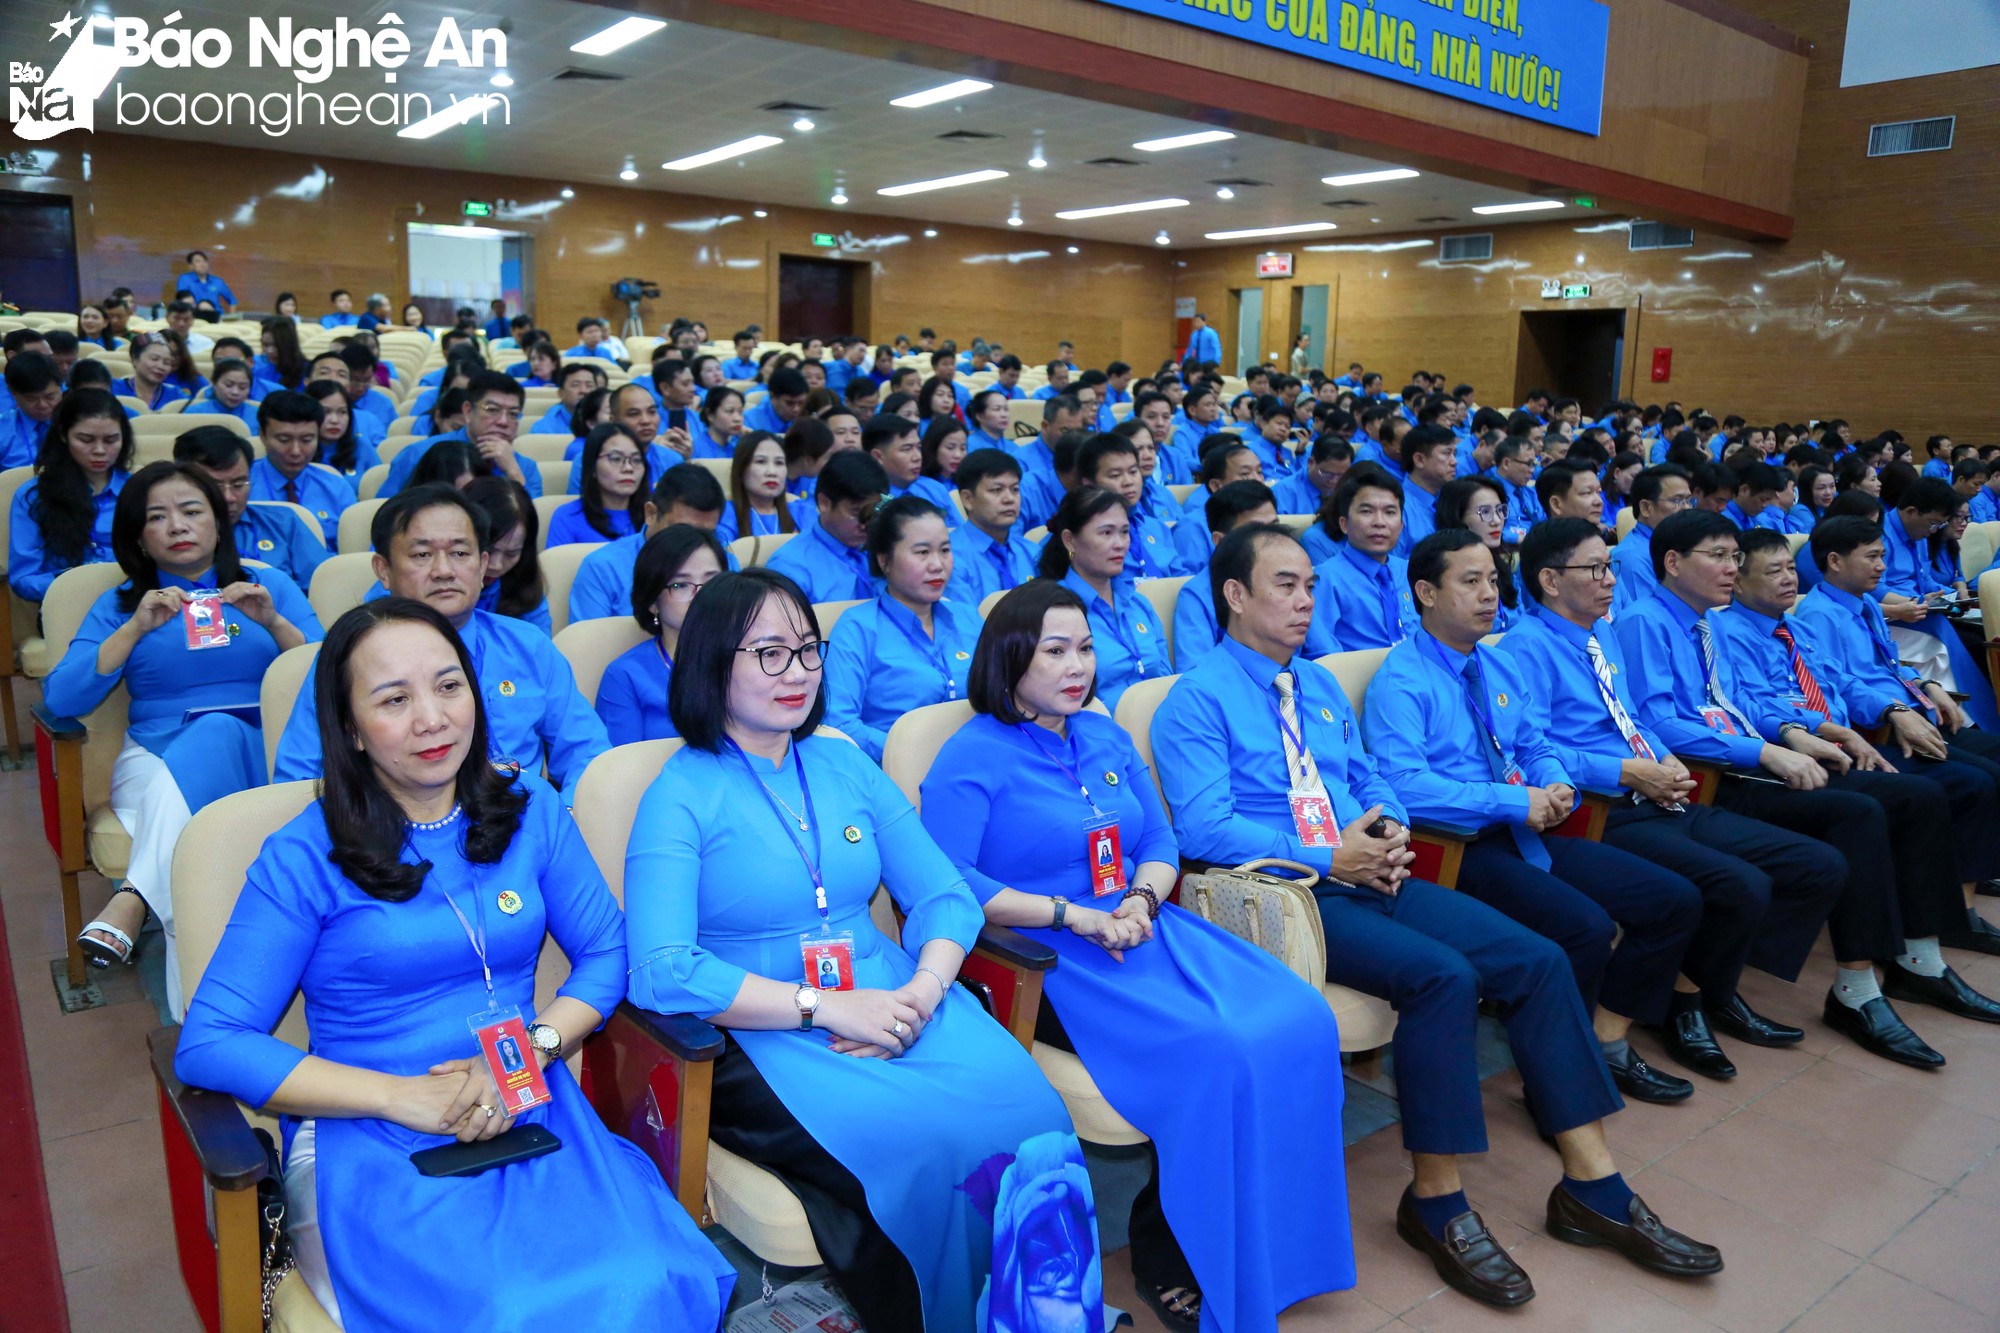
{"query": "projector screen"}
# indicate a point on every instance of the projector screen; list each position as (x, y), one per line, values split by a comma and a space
(1907, 39)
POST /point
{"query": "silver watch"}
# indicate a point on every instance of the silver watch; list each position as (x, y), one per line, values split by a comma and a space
(808, 1001)
(546, 1041)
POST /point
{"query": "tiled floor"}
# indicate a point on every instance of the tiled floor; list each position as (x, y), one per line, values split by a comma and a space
(1846, 1193)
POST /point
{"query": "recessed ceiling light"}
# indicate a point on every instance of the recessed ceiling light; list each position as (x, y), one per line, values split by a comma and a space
(622, 33)
(1037, 162)
(1014, 220)
(628, 175)
(762, 212)
(1078, 214)
(1249, 233)
(1163, 239)
(503, 80)
(839, 196)
(1532, 206)
(724, 153)
(1225, 193)
(942, 93)
(1072, 249)
(1182, 141)
(568, 193)
(930, 231)
(456, 114)
(942, 183)
(802, 125)
(1371, 177)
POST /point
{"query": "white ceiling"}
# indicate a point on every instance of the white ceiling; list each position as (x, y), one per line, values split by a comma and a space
(687, 88)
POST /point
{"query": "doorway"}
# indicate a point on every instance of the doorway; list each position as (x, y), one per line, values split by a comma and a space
(1309, 317)
(460, 266)
(820, 298)
(38, 263)
(1576, 354)
(1249, 303)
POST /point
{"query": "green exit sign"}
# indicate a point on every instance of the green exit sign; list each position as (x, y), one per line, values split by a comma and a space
(825, 238)
(477, 208)
(1584, 201)
(1575, 291)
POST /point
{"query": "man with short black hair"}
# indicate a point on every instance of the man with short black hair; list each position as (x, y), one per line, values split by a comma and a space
(493, 420)
(988, 556)
(1430, 459)
(829, 560)
(288, 425)
(198, 284)
(1658, 493)
(787, 399)
(1364, 590)
(180, 322)
(342, 315)
(684, 493)
(1571, 489)
(1756, 502)
(1911, 592)
(573, 383)
(743, 365)
(1514, 469)
(1111, 462)
(1042, 488)
(34, 388)
(1196, 630)
(590, 340)
(278, 536)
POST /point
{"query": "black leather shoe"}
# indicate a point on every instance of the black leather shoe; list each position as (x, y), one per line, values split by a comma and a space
(1642, 1237)
(1689, 1042)
(1736, 1019)
(1977, 935)
(1466, 1257)
(1876, 1027)
(1948, 992)
(1640, 1082)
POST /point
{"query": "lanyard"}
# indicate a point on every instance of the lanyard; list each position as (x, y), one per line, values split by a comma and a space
(1435, 651)
(1295, 737)
(929, 648)
(476, 939)
(785, 820)
(1027, 730)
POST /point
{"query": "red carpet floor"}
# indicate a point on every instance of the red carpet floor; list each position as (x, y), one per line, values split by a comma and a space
(33, 1291)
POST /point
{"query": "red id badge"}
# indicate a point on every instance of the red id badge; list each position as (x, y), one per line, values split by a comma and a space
(1312, 815)
(1718, 721)
(829, 959)
(202, 616)
(1105, 855)
(503, 1040)
(1514, 776)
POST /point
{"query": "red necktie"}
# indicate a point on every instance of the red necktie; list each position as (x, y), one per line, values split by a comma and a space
(1808, 683)
(292, 492)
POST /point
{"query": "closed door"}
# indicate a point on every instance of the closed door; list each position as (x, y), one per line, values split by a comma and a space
(38, 260)
(815, 298)
(1249, 330)
(1312, 307)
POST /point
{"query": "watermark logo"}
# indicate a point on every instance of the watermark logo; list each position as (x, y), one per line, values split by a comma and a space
(44, 99)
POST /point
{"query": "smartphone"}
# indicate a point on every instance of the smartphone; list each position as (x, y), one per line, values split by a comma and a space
(469, 1159)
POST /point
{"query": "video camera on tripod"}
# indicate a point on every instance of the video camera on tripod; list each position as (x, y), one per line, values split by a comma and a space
(632, 291)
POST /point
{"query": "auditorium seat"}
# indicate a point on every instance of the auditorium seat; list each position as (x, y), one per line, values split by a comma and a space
(559, 566)
(352, 534)
(829, 614)
(276, 695)
(1163, 593)
(546, 505)
(339, 585)
(589, 646)
(372, 481)
(1627, 519)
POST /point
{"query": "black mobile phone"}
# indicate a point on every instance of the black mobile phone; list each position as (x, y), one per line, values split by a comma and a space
(1380, 828)
(469, 1159)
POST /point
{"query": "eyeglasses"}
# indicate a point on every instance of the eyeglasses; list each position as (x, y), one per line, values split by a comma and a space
(1723, 553)
(622, 461)
(1490, 513)
(241, 486)
(1677, 502)
(498, 411)
(687, 588)
(1598, 570)
(776, 661)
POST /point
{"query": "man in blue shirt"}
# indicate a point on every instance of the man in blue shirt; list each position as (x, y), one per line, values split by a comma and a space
(1756, 502)
(987, 556)
(492, 421)
(430, 544)
(1204, 344)
(944, 366)
(1308, 488)
(1111, 462)
(590, 340)
(1041, 488)
(1762, 888)
(1007, 379)
(34, 388)
(573, 383)
(1452, 728)
(742, 366)
(267, 532)
(1514, 469)
(342, 316)
(1258, 756)
(1688, 692)
(1938, 845)
(1430, 459)
(1364, 594)
(787, 398)
(1571, 489)
(1058, 381)
(1196, 630)
(497, 327)
(1658, 493)
(198, 285)
(830, 559)
(685, 493)
(1924, 634)
(288, 424)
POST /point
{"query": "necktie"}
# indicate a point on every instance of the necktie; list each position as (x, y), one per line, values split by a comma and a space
(1601, 666)
(1005, 566)
(292, 492)
(1803, 674)
(1705, 633)
(1885, 653)
(1525, 838)
(1392, 620)
(1300, 769)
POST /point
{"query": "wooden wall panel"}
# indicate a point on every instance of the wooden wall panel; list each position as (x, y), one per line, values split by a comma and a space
(279, 221)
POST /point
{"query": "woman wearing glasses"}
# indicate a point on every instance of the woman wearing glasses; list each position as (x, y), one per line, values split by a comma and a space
(616, 483)
(673, 565)
(939, 1171)
(1477, 504)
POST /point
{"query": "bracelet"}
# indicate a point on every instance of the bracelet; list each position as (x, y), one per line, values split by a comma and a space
(943, 989)
(1152, 899)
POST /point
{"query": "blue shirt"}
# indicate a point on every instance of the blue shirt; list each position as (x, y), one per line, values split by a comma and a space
(1907, 571)
(1984, 506)
(245, 411)
(170, 391)
(597, 353)
(765, 417)
(569, 525)
(21, 439)
(1296, 494)
(1363, 602)
(365, 457)
(555, 421)
(976, 438)
(1565, 705)
(406, 460)
(489, 600)
(198, 288)
(1153, 554)
(1189, 441)
(1420, 509)
(603, 585)
(1632, 563)
(1939, 468)
(1669, 684)
(1041, 490)
(1420, 726)
(531, 703)
(632, 697)
(1524, 508)
(1204, 344)
(736, 368)
(322, 490)
(1764, 668)
(1196, 631)
(880, 665)
(1221, 758)
(981, 566)
(761, 525)
(30, 566)
(1130, 640)
(339, 321)
(1801, 518)
(1852, 634)
(827, 570)
(280, 538)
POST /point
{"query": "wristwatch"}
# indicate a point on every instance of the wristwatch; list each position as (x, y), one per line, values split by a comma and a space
(1897, 708)
(546, 1040)
(1062, 910)
(807, 999)
(1789, 725)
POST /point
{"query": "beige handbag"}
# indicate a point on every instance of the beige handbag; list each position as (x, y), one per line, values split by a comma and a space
(1278, 915)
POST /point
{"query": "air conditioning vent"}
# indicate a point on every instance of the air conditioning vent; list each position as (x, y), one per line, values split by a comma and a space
(588, 76)
(1659, 236)
(1911, 136)
(791, 108)
(1439, 217)
(1350, 203)
(1109, 162)
(968, 136)
(1464, 249)
(1241, 183)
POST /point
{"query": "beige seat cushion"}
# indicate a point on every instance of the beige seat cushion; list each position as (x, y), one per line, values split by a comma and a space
(1365, 1022)
(755, 1207)
(1095, 1121)
(294, 1309)
(34, 654)
(110, 845)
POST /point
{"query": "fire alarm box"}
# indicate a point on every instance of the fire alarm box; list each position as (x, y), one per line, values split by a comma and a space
(1663, 364)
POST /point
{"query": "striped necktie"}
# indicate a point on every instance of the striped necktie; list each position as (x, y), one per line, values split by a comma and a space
(1802, 672)
(1712, 679)
(1299, 763)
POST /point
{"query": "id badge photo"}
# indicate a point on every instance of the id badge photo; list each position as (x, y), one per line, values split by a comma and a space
(202, 616)
(1718, 720)
(828, 958)
(1312, 816)
(503, 1043)
(1104, 854)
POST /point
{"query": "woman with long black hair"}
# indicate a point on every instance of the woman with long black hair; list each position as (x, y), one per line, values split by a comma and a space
(62, 518)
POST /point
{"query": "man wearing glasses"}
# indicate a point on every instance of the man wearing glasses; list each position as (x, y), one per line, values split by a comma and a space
(830, 559)
(492, 420)
(1657, 492)
(1690, 692)
(1765, 891)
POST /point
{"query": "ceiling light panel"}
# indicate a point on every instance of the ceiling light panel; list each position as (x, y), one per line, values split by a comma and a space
(942, 93)
(1251, 233)
(942, 183)
(724, 153)
(1371, 177)
(1532, 206)
(620, 34)
(1111, 210)
(1182, 141)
